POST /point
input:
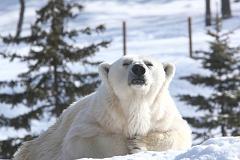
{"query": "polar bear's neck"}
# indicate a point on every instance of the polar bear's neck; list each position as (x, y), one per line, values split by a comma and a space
(132, 113)
(137, 113)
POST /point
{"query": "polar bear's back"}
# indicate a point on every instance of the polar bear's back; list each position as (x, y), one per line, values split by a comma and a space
(50, 142)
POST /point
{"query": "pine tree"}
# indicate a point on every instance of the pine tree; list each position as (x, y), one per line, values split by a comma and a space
(220, 111)
(58, 71)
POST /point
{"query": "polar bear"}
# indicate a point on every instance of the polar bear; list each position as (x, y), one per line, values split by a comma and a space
(131, 111)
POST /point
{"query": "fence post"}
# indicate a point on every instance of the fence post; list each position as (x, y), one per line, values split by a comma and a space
(190, 36)
(208, 13)
(124, 38)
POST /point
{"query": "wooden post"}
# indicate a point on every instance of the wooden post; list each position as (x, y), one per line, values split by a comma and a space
(190, 36)
(124, 38)
(208, 13)
(226, 9)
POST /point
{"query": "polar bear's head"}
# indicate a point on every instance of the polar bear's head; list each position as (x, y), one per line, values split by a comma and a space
(134, 75)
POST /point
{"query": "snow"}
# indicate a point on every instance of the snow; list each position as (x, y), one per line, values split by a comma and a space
(224, 148)
(156, 28)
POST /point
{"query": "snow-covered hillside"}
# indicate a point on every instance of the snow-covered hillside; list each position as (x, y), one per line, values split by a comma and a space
(156, 28)
(225, 148)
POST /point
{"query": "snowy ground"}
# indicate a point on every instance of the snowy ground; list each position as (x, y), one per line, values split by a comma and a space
(156, 28)
(225, 148)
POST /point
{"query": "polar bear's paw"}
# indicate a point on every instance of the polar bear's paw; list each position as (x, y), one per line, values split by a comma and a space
(154, 141)
(136, 144)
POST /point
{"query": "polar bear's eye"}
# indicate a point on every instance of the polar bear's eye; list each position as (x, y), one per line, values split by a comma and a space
(127, 63)
(149, 64)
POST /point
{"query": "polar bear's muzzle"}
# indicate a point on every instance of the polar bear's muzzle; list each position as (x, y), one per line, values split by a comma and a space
(136, 75)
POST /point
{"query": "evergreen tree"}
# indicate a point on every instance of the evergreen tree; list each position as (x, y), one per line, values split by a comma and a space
(58, 71)
(221, 109)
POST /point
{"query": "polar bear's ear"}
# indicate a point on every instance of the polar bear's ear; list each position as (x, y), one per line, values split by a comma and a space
(169, 69)
(103, 70)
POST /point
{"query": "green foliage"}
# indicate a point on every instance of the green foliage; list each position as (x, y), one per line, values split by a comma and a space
(58, 71)
(220, 111)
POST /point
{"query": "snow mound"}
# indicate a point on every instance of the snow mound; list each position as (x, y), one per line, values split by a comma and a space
(224, 148)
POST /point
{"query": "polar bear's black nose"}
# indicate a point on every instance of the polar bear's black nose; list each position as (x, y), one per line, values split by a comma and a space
(138, 69)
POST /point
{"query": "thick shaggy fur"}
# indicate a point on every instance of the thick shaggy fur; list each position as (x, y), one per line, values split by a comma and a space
(117, 119)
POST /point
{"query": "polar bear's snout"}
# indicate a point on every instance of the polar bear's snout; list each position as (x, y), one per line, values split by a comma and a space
(138, 70)
(136, 75)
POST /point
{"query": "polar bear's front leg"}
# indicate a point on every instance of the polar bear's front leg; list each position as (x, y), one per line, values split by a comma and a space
(98, 146)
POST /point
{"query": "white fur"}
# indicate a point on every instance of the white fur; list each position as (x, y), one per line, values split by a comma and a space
(115, 118)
